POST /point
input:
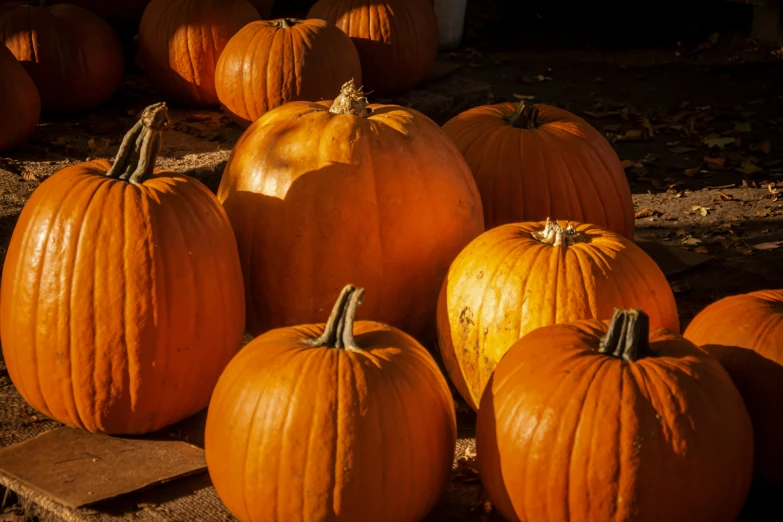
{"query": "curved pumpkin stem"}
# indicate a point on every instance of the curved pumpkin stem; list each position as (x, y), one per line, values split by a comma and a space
(628, 337)
(285, 23)
(351, 101)
(338, 332)
(524, 117)
(555, 235)
(140, 147)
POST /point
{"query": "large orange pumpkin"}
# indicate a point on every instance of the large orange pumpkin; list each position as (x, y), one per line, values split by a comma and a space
(180, 42)
(376, 194)
(535, 161)
(20, 104)
(745, 333)
(586, 422)
(122, 296)
(72, 55)
(397, 40)
(345, 422)
(518, 277)
(269, 63)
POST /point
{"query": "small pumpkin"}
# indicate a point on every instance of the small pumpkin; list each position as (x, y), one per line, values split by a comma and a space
(72, 55)
(319, 193)
(180, 42)
(518, 277)
(584, 421)
(349, 421)
(397, 40)
(122, 297)
(534, 161)
(20, 104)
(745, 333)
(269, 63)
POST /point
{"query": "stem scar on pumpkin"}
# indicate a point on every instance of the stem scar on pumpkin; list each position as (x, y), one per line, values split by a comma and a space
(628, 337)
(338, 332)
(351, 101)
(524, 117)
(140, 147)
(556, 236)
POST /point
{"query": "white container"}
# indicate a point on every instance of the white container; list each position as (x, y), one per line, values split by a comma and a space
(451, 21)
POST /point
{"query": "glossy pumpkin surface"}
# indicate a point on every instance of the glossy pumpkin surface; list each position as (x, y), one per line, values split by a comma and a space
(269, 63)
(584, 421)
(20, 104)
(518, 277)
(745, 333)
(122, 297)
(532, 162)
(346, 422)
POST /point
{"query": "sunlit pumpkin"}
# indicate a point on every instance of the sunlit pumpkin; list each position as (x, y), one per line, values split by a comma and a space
(347, 422)
(269, 63)
(72, 55)
(589, 422)
(518, 277)
(745, 333)
(321, 193)
(180, 42)
(20, 104)
(536, 161)
(122, 297)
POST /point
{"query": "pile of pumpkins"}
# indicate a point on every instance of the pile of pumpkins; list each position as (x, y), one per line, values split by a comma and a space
(346, 236)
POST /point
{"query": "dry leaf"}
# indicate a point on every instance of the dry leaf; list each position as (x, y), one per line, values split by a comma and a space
(627, 164)
(749, 168)
(771, 245)
(681, 150)
(701, 250)
(726, 197)
(702, 210)
(772, 189)
(28, 175)
(691, 241)
(646, 212)
(694, 171)
(742, 127)
(718, 141)
(714, 161)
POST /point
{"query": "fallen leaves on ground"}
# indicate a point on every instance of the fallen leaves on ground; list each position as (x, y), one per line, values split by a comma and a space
(770, 245)
(646, 212)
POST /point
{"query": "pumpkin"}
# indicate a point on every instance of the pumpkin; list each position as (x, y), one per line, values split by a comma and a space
(72, 55)
(20, 104)
(269, 63)
(584, 421)
(119, 10)
(745, 333)
(522, 276)
(180, 42)
(535, 161)
(346, 421)
(318, 195)
(397, 40)
(122, 297)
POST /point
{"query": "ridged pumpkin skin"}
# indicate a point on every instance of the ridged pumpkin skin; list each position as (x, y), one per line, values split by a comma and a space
(121, 303)
(506, 283)
(269, 63)
(20, 104)
(303, 433)
(72, 55)
(397, 40)
(567, 433)
(563, 168)
(745, 333)
(318, 198)
(180, 42)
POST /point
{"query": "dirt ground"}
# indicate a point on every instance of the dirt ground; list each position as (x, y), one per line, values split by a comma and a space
(698, 127)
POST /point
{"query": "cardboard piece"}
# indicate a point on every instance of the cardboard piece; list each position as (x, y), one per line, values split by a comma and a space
(76, 468)
(671, 260)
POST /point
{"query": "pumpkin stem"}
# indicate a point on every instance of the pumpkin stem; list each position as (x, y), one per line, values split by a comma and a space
(555, 235)
(524, 117)
(285, 23)
(140, 147)
(351, 101)
(338, 332)
(628, 337)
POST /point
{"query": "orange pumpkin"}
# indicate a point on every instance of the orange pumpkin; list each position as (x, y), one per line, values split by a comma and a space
(180, 42)
(372, 193)
(582, 421)
(745, 333)
(397, 40)
(72, 55)
(518, 277)
(347, 421)
(535, 161)
(20, 104)
(267, 64)
(122, 296)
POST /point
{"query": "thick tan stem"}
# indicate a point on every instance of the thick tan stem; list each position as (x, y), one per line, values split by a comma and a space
(338, 332)
(285, 23)
(351, 101)
(524, 117)
(555, 235)
(628, 337)
(135, 161)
